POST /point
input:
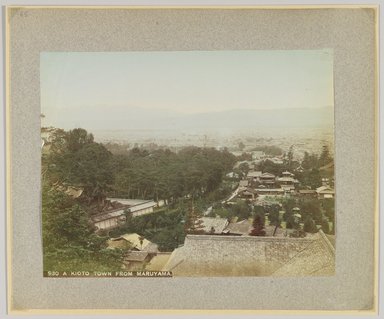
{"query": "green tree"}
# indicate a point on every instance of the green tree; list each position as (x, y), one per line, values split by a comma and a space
(162, 174)
(169, 238)
(69, 241)
(309, 225)
(305, 163)
(328, 205)
(194, 224)
(76, 160)
(258, 226)
(240, 209)
(91, 168)
(77, 138)
(289, 158)
(325, 226)
(325, 156)
(258, 209)
(270, 167)
(223, 212)
(311, 178)
(291, 223)
(274, 215)
(288, 204)
(244, 169)
(310, 161)
(311, 207)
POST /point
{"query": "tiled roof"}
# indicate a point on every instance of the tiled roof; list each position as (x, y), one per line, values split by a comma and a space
(332, 239)
(136, 256)
(267, 175)
(325, 190)
(213, 255)
(307, 191)
(287, 179)
(273, 190)
(243, 227)
(218, 224)
(127, 201)
(74, 192)
(108, 215)
(134, 205)
(254, 174)
(141, 206)
(158, 262)
(280, 232)
(134, 239)
(318, 258)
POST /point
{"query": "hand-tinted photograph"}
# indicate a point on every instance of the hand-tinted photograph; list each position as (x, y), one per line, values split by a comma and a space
(188, 163)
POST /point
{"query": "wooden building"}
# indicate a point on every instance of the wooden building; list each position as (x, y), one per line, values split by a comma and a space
(110, 219)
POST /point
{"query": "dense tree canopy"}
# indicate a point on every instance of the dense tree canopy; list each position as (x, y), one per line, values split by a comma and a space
(73, 159)
(76, 160)
(179, 178)
(270, 167)
(166, 175)
(69, 241)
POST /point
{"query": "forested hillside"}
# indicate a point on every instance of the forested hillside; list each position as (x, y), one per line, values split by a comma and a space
(73, 159)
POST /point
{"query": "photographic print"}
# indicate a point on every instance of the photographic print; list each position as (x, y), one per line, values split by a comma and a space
(188, 163)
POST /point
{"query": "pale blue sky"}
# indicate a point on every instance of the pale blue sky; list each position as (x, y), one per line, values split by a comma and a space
(182, 82)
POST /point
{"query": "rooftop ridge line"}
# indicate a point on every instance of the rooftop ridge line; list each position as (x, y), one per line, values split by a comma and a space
(249, 238)
(327, 242)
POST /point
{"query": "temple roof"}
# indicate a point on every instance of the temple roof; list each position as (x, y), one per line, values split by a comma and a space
(212, 255)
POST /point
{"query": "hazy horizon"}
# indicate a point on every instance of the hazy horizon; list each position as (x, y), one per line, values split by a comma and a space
(124, 90)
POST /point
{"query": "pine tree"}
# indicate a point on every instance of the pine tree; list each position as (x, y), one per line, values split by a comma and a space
(289, 158)
(325, 226)
(325, 156)
(309, 225)
(258, 226)
(194, 223)
(306, 161)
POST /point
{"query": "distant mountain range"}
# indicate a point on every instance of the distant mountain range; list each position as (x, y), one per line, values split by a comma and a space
(238, 120)
(232, 120)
